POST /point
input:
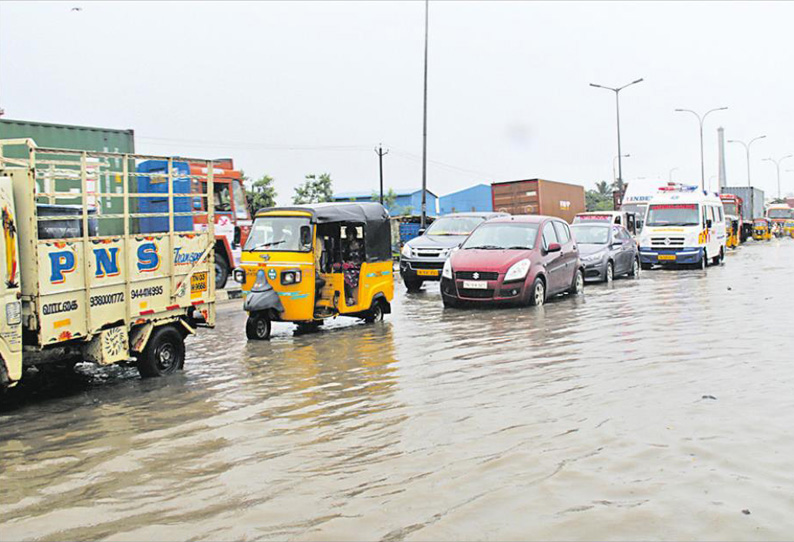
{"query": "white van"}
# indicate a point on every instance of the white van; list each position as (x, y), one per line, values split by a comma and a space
(683, 225)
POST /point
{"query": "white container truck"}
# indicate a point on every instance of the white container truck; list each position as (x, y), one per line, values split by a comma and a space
(82, 281)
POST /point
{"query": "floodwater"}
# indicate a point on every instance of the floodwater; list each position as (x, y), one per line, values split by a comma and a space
(654, 408)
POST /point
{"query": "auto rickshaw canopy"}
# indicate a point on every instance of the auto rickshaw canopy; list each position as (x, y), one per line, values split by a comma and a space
(372, 216)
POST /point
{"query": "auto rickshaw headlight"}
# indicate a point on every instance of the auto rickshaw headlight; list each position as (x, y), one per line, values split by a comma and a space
(290, 277)
(239, 275)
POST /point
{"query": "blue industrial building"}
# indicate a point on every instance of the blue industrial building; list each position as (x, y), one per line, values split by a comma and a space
(408, 202)
(473, 199)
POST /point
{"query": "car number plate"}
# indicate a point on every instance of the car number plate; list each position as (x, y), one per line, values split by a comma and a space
(475, 284)
(667, 256)
(427, 272)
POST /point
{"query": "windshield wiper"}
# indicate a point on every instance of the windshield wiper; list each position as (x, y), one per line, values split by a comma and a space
(517, 247)
(263, 245)
(484, 247)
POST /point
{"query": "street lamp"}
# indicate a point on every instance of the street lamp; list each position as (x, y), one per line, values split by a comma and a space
(777, 165)
(614, 178)
(747, 150)
(617, 111)
(700, 121)
(670, 175)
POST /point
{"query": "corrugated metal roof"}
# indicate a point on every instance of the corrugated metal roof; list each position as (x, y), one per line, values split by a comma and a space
(400, 192)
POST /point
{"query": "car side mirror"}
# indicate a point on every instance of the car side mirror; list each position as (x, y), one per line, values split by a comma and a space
(617, 244)
(708, 223)
(421, 231)
(554, 247)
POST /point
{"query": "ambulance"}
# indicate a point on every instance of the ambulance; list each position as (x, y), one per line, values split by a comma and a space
(683, 225)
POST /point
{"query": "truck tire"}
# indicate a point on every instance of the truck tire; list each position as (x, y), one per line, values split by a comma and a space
(413, 285)
(221, 271)
(164, 353)
(257, 327)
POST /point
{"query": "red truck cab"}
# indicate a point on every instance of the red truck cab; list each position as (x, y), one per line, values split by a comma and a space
(232, 215)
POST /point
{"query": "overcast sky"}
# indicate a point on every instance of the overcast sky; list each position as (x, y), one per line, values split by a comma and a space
(310, 87)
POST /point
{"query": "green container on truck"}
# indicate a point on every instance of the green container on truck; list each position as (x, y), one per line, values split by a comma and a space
(82, 138)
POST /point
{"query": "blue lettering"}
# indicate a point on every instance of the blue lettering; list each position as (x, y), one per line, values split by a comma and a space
(61, 263)
(106, 262)
(148, 259)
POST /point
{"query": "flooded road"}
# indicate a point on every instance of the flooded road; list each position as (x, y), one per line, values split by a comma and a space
(653, 408)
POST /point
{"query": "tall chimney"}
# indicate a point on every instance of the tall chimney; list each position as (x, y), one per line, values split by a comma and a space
(721, 145)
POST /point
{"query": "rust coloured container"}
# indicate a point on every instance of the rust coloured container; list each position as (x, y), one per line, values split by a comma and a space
(539, 197)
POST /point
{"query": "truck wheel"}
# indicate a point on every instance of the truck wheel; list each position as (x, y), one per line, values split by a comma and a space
(704, 261)
(413, 285)
(221, 271)
(164, 353)
(718, 259)
(257, 327)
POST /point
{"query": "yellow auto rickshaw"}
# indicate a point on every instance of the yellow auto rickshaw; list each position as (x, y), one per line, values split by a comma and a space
(762, 229)
(306, 263)
(733, 237)
(788, 228)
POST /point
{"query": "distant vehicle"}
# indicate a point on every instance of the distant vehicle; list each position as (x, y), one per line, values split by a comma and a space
(539, 197)
(752, 206)
(516, 260)
(778, 213)
(788, 228)
(637, 195)
(423, 257)
(762, 229)
(625, 219)
(606, 250)
(734, 224)
(683, 225)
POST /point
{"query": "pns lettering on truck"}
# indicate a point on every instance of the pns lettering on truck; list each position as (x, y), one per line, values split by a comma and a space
(84, 276)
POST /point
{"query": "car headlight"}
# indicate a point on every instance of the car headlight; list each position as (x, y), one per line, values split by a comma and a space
(290, 277)
(517, 271)
(593, 257)
(406, 251)
(447, 271)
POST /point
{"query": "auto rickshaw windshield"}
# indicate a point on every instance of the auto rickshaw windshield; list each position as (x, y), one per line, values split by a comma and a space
(280, 233)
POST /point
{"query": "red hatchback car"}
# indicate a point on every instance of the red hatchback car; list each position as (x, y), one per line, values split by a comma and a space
(513, 260)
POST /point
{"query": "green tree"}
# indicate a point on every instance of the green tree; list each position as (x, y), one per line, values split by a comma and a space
(389, 200)
(604, 189)
(314, 190)
(599, 199)
(261, 194)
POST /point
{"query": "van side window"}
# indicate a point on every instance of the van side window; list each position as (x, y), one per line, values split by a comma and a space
(562, 232)
(549, 236)
(721, 214)
(712, 214)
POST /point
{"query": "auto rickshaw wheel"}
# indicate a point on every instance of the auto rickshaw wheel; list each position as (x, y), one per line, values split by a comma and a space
(375, 314)
(257, 327)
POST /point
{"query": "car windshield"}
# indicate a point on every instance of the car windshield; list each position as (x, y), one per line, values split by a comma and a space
(730, 209)
(590, 234)
(454, 225)
(761, 223)
(503, 236)
(779, 213)
(280, 233)
(673, 214)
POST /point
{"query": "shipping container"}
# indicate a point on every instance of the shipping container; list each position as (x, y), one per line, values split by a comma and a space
(538, 197)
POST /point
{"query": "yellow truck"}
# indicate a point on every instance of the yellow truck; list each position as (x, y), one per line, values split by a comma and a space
(104, 261)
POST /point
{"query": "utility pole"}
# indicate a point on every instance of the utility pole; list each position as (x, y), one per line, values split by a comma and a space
(423, 223)
(381, 153)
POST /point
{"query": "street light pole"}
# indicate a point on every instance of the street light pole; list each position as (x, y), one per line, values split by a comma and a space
(777, 166)
(700, 121)
(747, 151)
(617, 111)
(614, 178)
(423, 223)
